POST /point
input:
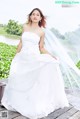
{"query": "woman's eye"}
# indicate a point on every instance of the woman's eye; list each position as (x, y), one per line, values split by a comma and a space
(37, 14)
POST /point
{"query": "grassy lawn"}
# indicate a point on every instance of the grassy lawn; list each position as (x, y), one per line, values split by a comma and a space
(4, 33)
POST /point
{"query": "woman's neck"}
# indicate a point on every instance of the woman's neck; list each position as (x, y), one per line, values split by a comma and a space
(34, 25)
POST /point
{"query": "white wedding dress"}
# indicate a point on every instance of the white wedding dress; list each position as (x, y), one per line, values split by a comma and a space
(35, 85)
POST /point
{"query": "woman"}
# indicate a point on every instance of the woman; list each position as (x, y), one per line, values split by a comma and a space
(35, 86)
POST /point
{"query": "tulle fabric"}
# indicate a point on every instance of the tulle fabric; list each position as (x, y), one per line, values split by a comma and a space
(70, 72)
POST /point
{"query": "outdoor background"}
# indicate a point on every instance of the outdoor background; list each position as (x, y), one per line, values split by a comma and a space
(62, 19)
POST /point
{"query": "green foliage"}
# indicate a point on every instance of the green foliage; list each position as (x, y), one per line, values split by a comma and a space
(78, 64)
(2, 30)
(4, 33)
(13, 28)
(7, 53)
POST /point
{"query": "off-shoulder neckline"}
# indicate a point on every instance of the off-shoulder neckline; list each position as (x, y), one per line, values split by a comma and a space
(32, 33)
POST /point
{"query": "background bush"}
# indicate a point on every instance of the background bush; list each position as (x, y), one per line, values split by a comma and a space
(7, 53)
(78, 64)
(13, 28)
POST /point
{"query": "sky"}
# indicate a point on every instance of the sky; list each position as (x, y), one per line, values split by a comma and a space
(64, 19)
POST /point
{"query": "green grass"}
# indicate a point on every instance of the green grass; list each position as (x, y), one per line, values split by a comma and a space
(4, 33)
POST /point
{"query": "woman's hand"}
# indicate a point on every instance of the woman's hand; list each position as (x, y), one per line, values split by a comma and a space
(42, 49)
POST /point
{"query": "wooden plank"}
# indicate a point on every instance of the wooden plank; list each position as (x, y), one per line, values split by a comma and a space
(12, 114)
(76, 116)
(65, 113)
(1, 108)
(46, 118)
(68, 114)
(21, 117)
(58, 112)
(2, 87)
(3, 83)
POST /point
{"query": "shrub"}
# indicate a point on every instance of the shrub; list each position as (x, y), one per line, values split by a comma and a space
(7, 53)
(78, 64)
(13, 28)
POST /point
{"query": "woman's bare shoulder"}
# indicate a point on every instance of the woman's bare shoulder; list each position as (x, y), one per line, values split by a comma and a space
(25, 26)
(42, 32)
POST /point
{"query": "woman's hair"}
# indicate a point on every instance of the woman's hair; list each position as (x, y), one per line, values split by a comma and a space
(42, 22)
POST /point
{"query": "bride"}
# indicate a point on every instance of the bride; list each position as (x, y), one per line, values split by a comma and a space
(35, 85)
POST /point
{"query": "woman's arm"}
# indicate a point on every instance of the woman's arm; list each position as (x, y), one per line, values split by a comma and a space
(41, 46)
(20, 43)
(19, 46)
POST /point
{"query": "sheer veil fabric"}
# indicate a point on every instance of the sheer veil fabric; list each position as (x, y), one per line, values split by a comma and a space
(71, 74)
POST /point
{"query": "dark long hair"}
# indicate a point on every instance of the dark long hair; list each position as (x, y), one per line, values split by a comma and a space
(42, 22)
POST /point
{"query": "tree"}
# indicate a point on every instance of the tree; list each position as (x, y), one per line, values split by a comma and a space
(13, 28)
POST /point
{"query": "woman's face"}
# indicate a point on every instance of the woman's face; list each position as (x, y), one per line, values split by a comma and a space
(35, 16)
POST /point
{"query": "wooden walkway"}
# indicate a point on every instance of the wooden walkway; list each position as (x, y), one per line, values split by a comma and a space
(66, 113)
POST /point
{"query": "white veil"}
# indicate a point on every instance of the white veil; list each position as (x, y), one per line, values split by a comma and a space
(71, 74)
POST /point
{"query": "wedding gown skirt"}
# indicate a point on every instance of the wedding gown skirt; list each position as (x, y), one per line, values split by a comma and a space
(35, 85)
